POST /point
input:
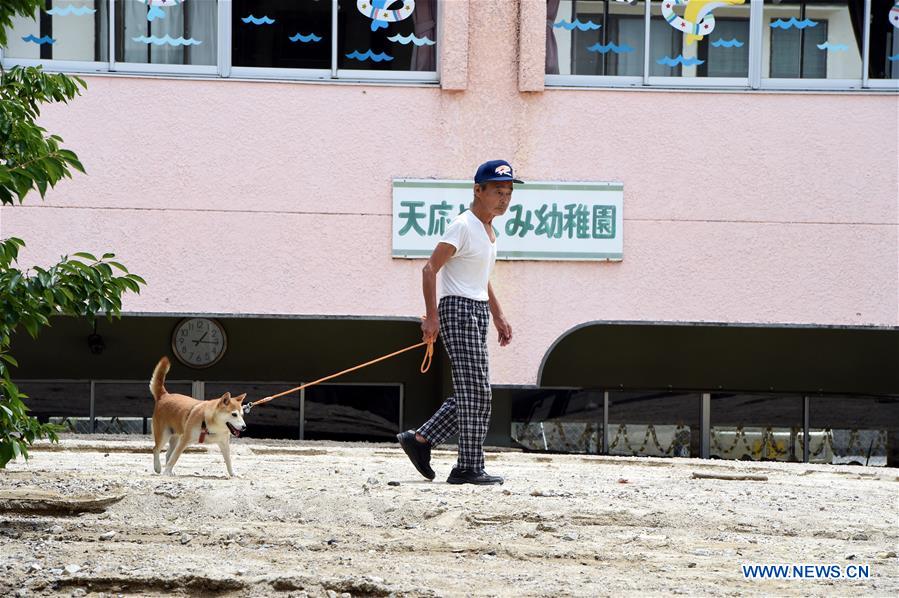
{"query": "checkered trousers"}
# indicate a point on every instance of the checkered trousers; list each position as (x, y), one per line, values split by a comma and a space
(463, 329)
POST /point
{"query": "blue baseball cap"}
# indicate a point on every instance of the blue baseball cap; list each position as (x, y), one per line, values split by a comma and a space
(495, 170)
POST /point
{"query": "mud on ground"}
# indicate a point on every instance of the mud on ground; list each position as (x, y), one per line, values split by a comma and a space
(325, 519)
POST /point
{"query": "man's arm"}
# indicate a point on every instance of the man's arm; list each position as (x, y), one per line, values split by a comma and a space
(499, 319)
(430, 326)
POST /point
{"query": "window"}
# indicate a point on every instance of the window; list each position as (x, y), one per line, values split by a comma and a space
(657, 424)
(62, 31)
(813, 40)
(749, 44)
(855, 430)
(756, 427)
(315, 39)
(560, 420)
(368, 412)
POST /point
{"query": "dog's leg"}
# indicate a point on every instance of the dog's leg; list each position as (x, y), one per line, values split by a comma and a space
(159, 436)
(183, 441)
(173, 442)
(226, 453)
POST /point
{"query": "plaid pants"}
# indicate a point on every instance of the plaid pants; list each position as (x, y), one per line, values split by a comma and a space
(463, 328)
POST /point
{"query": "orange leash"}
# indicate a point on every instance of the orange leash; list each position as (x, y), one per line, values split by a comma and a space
(425, 366)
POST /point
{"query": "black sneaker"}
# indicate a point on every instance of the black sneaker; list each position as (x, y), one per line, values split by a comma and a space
(418, 452)
(469, 476)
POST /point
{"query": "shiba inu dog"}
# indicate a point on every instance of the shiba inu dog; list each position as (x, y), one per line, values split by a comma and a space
(180, 420)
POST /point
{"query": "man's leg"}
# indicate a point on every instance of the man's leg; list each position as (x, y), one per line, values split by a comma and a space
(471, 379)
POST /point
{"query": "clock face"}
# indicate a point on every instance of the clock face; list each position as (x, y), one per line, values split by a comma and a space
(199, 342)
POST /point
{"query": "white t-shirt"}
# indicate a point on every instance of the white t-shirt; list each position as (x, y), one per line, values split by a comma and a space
(467, 273)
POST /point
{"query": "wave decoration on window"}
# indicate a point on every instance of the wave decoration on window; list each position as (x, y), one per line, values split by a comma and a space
(576, 24)
(306, 39)
(727, 43)
(254, 20)
(154, 7)
(70, 9)
(158, 41)
(610, 47)
(369, 55)
(679, 59)
(411, 39)
(793, 22)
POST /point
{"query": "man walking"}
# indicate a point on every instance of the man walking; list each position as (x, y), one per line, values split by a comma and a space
(463, 260)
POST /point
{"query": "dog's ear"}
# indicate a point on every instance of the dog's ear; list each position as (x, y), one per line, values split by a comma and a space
(240, 398)
(225, 398)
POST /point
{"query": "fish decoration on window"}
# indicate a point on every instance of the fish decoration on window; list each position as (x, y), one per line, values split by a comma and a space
(382, 12)
(698, 20)
(154, 7)
(894, 15)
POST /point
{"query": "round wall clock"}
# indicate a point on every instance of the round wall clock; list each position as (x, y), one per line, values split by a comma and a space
(199, 342)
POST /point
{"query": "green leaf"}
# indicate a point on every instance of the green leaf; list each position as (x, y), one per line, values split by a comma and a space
(85, 255)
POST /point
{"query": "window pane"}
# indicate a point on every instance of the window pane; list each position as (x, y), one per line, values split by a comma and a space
(281, 34)
(279, 418)
(854, 430)
(567, 421)
(684, 44)
(351, 412)
(813, 39)
(884, 56)
(57, 399)
(656, 424)
(759, 427)
(594, 37)
(166, 31)
(389, 40)
(127, 407)
(77, 33)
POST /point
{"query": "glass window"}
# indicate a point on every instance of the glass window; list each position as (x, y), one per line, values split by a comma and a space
(558, 420)
(276, 419)
(654, 424)
(387, 35)
(352, 412)
(127, 407)
(685, 42)
(854, 430)
(758, 427)
(884, 51)
(166, 31)
(813, 39)
(61, 31)
(281, 34)
(62, 399)
(594, 37)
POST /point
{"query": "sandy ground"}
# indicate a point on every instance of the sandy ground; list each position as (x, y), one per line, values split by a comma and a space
(323, 519)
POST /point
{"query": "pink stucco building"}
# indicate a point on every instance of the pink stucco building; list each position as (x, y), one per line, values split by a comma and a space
(754, 309)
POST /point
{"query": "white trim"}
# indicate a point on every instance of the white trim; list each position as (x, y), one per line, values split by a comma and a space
(756, 43)
(647, 27)
(866, 67)
(429, 76)
(592, 81)
(255, 72)
(741, 82)
(153, 68)
(224, 37)
(61, 66)
(816, 84)
(334, 32)
(884, 84)
(110, 36)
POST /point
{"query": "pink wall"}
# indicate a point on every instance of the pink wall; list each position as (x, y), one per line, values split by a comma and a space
(274, 198)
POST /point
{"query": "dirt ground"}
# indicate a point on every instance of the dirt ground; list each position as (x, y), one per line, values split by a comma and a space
(325, 519)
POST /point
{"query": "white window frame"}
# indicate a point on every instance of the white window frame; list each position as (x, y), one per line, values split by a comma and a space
(753, 82)
(223, 68)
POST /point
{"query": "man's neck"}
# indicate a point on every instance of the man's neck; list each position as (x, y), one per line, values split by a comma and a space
(482, 215)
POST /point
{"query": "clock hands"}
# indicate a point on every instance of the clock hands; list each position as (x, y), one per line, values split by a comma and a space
(200, 340)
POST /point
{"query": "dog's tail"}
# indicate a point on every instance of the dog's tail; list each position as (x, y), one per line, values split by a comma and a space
(157, 382)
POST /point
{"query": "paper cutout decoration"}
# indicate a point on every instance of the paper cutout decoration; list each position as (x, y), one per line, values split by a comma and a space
(71, 9)
(631, 2)
(411, 39)
(893, 58)
(668, 61)
(581, 26)
(611, 47)
(263, 20)
(368, 55)
(698, 20)
(299, 37)
(894, 15)
(379, 11)
(730, 43)
(39, 40)
(793, 22)
(833, 47)
(155, 7)
(158, 41)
